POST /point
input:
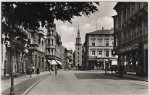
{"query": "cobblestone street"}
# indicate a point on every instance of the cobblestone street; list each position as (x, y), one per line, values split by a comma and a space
(88, 83)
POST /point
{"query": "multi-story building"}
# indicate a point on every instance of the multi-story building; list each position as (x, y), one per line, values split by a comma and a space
(37, 43)
(131, 36)
(98, 49)
(78, 51)
(13, 51)
(53, 44)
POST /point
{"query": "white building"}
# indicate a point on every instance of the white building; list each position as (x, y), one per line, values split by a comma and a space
(78, 51)
(98, 48)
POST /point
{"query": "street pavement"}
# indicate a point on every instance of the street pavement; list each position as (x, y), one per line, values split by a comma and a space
(22, 83)
(73, 82)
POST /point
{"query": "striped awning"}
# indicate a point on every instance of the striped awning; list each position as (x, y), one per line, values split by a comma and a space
(59, 62)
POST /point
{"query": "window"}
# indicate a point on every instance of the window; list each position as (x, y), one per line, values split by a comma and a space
(93, 42)
(52, 41)
(124, 14)
(133, 8)
(48, 41)
(35, 60)
(145, 26)
(100, 52)
(138, 6)
(78, 48)
(93, 52)
(107, 43)
(52, 51)
(48, 51)
(93, 35)
(39, 61)
(42, 43)
(128, 11)
(78, 52)
(100, 42)
(112, 43)
(107, 53)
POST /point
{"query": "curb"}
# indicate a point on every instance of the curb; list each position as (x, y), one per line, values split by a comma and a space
(26, 92)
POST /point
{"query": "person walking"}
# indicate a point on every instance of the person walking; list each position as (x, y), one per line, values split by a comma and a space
(37, 71)
(121, 70)
(55, 70)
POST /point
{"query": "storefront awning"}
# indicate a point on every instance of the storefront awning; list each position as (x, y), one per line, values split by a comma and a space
(59, 62)
(114, 62)
(53, 62)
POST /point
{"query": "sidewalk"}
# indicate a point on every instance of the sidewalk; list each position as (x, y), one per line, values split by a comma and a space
(22, 83)
(130, 76)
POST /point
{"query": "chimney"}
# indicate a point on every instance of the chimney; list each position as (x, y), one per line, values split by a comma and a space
(102, 28)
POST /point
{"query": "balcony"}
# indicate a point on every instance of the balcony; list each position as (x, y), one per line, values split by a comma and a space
(33, 46)
(41, 33)
(51, 46)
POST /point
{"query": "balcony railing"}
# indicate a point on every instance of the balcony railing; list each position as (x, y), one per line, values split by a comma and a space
(50, 46)
(133, 44)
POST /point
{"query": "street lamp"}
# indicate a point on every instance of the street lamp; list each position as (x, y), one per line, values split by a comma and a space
(7, 43)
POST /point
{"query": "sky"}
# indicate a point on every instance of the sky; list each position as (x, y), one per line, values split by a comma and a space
(102, 18)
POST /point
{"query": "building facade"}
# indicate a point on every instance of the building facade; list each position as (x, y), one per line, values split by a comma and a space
(98, 49)
(36, 50)
(78, 51)
(14, 50)
(53, 44)
(131, 36)
(64, 57)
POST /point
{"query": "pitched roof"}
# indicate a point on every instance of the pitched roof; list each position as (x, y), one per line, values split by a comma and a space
(102, 32)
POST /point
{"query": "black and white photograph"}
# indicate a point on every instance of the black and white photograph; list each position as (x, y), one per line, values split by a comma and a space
(74, 47)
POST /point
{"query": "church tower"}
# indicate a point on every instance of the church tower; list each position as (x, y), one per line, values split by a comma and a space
(78, 50)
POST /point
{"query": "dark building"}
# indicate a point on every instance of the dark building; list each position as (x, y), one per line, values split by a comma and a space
(131, 36)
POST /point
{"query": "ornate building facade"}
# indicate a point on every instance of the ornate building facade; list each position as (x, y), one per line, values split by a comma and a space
(53, 44)
(36, 50)
(131, 36)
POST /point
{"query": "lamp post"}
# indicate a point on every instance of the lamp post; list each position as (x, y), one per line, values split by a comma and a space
(7, 43)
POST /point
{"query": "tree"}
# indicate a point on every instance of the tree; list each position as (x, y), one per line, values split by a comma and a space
(28, 14)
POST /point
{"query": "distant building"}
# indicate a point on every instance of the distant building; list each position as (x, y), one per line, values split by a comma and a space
(131, 36)
(78, 51)
(98, 49)
(70, 58)
(63, 56)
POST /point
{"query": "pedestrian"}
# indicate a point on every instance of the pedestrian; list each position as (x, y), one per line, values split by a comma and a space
(121, 70)
(30, 72)
(37, 71)
(111, 69)
(55, 70)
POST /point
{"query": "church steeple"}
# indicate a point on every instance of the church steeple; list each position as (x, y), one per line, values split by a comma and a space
(78, 34)
(78, 39)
